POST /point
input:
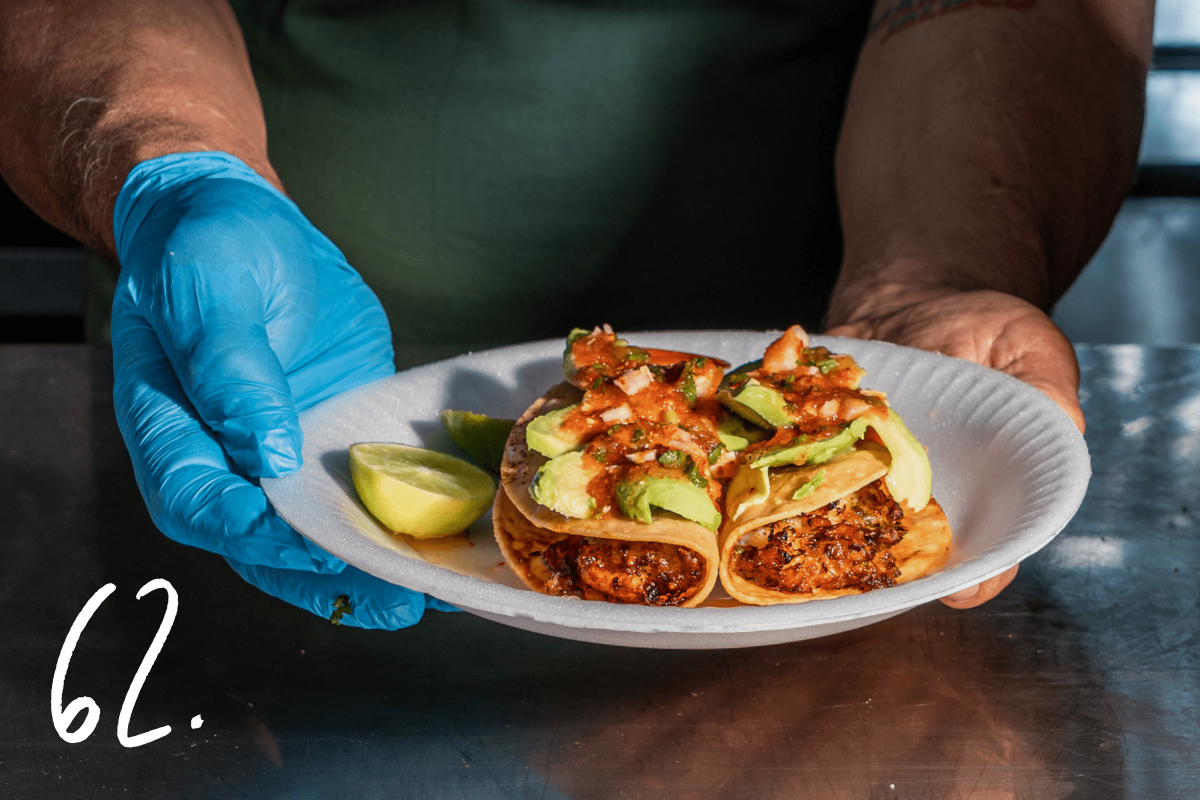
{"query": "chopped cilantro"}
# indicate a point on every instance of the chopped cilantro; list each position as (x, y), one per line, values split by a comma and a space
(688, 388)
(827, 366)
(680, 460)
(598, 382)
(699, 361)
(638, 434)
(657, 371)
(637, 355)
(672, 458)
(693, 473)
(601, 455)
(340, 606)
(715, 453)
(613, 429)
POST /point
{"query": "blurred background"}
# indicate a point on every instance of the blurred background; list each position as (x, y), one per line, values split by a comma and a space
(1144, 283)
(1142, 286)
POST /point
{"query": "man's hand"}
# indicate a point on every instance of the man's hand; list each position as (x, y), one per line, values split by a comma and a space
(984, 153)
(989, 328)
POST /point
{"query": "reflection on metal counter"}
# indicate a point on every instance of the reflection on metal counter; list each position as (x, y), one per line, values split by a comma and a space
(1078, 681)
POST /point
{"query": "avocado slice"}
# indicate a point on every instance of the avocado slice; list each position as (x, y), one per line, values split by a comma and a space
(569, 368)
(749, 366)
(809, 487)
(814, 452)
(736, 434)
(671, 494)
(561, 485)
(909, 478)
(545, 434)
(758, 403)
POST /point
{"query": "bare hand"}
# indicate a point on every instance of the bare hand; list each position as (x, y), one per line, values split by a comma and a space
(989, 328)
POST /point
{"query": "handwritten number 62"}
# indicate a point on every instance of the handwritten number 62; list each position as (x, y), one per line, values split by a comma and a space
(65, 717)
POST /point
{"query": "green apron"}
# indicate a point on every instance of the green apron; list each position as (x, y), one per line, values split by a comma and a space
(505, 170)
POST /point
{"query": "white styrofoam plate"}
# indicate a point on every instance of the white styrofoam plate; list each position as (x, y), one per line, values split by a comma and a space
(1009, 469)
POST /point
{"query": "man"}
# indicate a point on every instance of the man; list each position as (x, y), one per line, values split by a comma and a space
(502, 170)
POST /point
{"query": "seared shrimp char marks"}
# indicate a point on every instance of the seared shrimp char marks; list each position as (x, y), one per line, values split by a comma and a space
(646, 573)
(841, 546)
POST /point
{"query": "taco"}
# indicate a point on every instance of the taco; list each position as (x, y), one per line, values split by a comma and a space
(838, 500)
(612, 481)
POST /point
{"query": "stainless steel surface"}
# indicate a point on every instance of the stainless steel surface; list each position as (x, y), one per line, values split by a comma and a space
(1081, 680)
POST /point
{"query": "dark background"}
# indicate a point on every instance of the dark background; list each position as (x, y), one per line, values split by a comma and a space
(36, 306)
(1142, 286)
(23, 228)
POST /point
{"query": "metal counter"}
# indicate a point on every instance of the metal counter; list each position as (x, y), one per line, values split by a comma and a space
(1081, 680)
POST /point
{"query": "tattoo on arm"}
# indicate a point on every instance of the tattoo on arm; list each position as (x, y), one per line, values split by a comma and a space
(902, 13)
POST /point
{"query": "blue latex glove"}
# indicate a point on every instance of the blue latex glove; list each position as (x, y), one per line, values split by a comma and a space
(232, 314)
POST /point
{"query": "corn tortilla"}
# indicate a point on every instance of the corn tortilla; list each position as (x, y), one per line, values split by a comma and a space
(525, 528)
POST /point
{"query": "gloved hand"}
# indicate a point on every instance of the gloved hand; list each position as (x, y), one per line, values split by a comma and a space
(232, 314)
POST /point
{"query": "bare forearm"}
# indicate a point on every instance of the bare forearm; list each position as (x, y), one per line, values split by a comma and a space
(89, 88)
(988, 148)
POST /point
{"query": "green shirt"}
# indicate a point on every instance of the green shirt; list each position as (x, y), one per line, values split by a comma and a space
(505, 170)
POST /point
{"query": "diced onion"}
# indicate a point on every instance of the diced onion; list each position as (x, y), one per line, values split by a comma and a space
(621, 413)
(853, 408)
(642, 456)
(635, 380)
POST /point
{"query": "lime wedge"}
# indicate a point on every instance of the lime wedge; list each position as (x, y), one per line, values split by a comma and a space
(481, 437)
(419, 492)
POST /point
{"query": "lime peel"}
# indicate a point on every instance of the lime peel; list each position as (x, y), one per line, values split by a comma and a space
(480, 436)
(419, 492)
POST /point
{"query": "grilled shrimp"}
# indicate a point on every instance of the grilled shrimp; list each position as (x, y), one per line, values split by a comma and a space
(783, 354)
